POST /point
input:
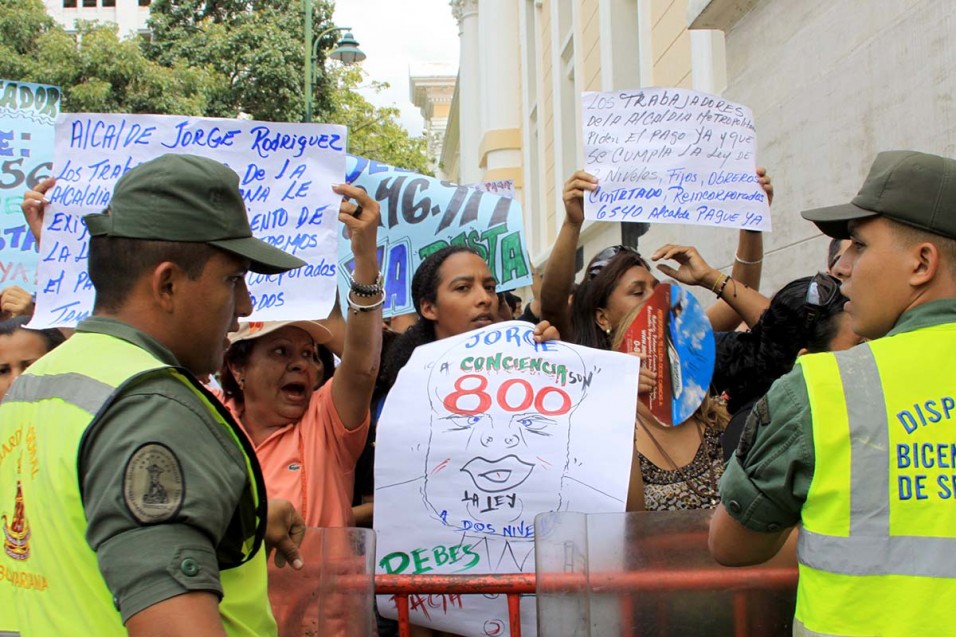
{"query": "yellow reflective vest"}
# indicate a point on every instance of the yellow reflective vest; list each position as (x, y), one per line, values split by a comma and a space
(52, 583)
(877, 549)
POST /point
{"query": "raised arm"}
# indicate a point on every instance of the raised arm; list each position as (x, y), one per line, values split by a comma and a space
(748, 265)
(745, 302)
(34, 205)
(15, 301)
(559, 271)
(355, 376)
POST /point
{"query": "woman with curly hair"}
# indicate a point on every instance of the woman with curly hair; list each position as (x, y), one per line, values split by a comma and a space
(806, 315)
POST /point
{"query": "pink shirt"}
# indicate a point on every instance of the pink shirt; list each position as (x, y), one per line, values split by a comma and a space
(311, 462)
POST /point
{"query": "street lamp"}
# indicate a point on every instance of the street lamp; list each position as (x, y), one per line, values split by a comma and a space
(346, 51)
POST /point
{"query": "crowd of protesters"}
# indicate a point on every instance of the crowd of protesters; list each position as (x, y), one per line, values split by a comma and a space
(303, 397)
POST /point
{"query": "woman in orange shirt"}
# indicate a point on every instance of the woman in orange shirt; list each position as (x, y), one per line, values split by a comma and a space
(307, 429)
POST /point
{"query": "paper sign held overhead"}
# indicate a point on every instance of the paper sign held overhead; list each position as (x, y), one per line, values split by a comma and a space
(421, 215)
(285, 171)
(667, 155)
(27, 115)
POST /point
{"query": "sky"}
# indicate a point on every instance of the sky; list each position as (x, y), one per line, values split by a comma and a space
(396, 35)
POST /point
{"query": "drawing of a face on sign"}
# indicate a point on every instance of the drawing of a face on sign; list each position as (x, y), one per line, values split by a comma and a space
(500, 429)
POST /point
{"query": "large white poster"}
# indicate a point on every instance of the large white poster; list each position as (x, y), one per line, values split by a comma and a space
(286, 173)
(670, 155)
(482, 432)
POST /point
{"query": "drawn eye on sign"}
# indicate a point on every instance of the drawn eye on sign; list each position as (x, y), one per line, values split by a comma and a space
(500, 425)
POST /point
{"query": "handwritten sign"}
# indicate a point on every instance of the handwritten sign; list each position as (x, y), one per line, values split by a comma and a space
(27, 115)
(482, 432)
(503, 187)
(421, 215)
(286, 172)
(666, 155)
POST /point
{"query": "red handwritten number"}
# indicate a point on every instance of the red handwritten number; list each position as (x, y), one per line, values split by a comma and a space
(565, 402)
(525, 402)
(452, 400)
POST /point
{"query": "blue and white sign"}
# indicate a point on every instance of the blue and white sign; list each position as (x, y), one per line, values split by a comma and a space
(286, 173)
(421, 215)
(27, 116)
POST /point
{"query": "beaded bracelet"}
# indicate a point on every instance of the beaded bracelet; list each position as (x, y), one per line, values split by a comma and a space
(742, 262)
(721, 279)
(722, 286)
(367, 289)
(355, 307)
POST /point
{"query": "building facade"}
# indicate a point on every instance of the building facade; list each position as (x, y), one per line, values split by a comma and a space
(130, 16)
(431, 88)
(830, 85)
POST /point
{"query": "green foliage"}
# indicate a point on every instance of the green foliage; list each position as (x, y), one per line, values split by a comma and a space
(213, 58)
(96, 70)
(374, 132)
(254, 48)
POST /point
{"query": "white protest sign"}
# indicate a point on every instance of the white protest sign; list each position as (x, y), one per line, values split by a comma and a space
(285, 170)
(482, 432)
(667, 155)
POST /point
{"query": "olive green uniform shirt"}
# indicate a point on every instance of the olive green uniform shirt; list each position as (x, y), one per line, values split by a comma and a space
(144, 563)
(766, 482)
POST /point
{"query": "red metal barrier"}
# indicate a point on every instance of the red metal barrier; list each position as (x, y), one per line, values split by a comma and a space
(651, 580)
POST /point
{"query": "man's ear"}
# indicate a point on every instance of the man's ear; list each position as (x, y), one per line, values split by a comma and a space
(926, 263)
(164, 283)
(428, 310)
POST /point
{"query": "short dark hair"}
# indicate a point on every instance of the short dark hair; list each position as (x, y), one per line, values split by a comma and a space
(51, 337)
(117, 263)
(512, 299)
(910, 235)
(833, 251)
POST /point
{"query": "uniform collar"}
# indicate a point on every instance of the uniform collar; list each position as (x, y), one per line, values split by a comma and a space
(926, 314)
(126, 332)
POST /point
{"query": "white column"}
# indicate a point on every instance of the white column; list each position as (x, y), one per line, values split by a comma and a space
(469, 90)
(500, 84)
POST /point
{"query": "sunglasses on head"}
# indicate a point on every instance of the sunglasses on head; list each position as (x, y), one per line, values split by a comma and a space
(822, 291)
(605, 256)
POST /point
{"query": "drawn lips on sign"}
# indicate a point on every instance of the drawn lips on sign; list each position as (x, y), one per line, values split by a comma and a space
(494, 476)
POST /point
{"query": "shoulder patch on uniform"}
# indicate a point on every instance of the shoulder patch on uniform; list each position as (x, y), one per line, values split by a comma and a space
(758, 417)
(153, 484)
